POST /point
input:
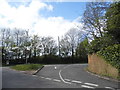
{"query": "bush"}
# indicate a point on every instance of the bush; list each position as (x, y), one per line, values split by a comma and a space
(112, 55)
(82, 51)
(101, 43)
(49, 59)
(38, 59)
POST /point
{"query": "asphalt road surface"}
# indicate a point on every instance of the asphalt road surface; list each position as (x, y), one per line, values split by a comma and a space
(56, 76)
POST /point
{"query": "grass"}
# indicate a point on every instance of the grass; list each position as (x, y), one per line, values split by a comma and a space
(27, 67)
(104, 75)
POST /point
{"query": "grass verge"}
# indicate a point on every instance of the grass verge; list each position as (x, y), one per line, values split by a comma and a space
(104, 75)
(27, 67)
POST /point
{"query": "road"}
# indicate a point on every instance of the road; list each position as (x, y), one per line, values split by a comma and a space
(56, 76)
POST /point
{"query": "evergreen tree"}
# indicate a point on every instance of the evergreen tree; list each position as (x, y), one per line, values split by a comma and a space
(113, 21)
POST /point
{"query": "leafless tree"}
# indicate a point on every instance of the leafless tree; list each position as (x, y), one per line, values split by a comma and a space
(93, 18)
(70, 41)
(49, 45)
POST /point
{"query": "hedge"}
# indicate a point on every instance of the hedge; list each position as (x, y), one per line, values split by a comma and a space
(112, 55)
(48, 59)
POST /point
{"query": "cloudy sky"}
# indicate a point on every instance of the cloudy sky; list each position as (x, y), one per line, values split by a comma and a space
(41, 18)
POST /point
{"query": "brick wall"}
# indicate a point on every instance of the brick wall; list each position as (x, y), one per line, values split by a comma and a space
(98, 65)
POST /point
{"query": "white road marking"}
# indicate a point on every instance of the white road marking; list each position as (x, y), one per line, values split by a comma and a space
(34, 75)
(62, 78)
(76, 81)
(42, 77)
(55, 67)
(67, 79)
(86, 86)
(91, 84)
(48, 78)
(56, 80)
(110, 88)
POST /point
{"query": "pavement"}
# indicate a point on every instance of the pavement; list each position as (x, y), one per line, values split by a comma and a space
(56, 76)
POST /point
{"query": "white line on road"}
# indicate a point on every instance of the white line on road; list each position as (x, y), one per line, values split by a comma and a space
(91, 84)
(62, 78)
(110, 88)
(67, 79)
(48, 78)
(34, 75)
(86, 86)
(56, 80)
(42, 77)
(76, 81)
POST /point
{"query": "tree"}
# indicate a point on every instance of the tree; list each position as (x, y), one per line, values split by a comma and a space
(48, 45)
(2, 42)
(35, 45)
(93, 19)
(82, 50)
(113, 21)
(72, 36)
(101, 43)
(22, 43)
(18, 36)
(70, 41)
(27, 44)
(6, 41)
(64, 47)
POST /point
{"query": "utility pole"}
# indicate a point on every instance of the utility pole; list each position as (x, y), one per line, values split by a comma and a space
(59, 45)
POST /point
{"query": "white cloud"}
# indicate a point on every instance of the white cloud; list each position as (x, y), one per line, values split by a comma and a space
(50, 7)
(54, 26)
(29, 17)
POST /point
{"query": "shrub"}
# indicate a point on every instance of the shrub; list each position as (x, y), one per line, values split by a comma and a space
(112, 55)
(101, 43)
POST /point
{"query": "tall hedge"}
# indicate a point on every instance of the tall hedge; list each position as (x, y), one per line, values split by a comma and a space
(112, 55)
(101, 43)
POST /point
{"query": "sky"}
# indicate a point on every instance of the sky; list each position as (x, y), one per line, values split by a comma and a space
(42, 18)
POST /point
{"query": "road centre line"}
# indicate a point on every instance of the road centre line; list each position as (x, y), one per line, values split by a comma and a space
(34, 75)
(67, 79)
(56, 80)
(86, 86)
(62, 78)
(110, 88)
(76, 81)
(42, 77)
(91, 84)
(48, 78)
(51, 79)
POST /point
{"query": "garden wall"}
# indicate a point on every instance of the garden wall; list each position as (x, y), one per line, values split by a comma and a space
(98, 65)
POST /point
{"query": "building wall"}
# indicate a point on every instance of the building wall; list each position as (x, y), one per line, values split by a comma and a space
(98, 65)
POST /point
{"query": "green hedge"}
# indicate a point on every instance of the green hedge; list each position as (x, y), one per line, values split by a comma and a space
(100, 43)
(112, 55)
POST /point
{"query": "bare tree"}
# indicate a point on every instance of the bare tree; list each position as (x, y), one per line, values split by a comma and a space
(73, 36)
(2, 42)
(35, 45)
(64, 47)
(49, 46)
(6, 37)
(93, 18)
(70, 41)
